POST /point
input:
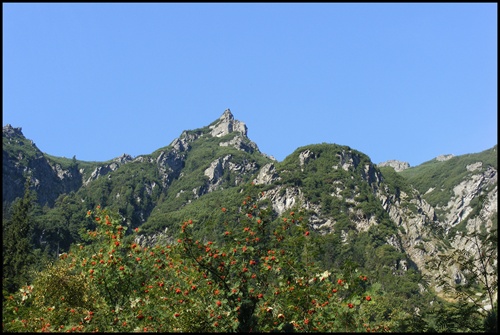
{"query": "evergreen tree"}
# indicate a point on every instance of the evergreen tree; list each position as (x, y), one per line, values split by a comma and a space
(17, 248)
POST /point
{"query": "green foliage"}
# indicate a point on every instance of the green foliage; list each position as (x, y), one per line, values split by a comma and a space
(21, 148)
(331, 175)
(396, 182)
(453, 318)
(58, 228)
(17, 248)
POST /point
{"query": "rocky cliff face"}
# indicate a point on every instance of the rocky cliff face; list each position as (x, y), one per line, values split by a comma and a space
(482, 184)
(21, 159)
(103, 169)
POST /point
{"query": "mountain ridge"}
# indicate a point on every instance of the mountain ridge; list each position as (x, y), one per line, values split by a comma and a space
(227, 124)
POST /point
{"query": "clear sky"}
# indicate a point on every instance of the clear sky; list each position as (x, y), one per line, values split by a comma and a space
(407, 81)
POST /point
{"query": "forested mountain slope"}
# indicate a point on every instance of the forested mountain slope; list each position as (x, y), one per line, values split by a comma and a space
(406, 227)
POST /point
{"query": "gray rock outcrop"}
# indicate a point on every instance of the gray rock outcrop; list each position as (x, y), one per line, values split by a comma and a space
(227, 124)
(397, 165)
(443, 158)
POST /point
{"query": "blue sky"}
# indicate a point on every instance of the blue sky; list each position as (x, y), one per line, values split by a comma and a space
(406, 81)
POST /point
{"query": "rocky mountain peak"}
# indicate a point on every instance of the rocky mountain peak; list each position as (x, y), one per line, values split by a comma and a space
(10, 131)
(125, 158)
(227, 124)
(227, 115)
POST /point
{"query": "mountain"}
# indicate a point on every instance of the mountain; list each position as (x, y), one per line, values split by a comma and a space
(390, 217)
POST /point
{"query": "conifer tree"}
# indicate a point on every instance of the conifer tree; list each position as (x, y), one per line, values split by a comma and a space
(17, 248)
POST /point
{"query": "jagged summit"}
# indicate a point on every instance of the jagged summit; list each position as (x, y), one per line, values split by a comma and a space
(227, 124)
(227, 114)
(15, 136)
(221, 127)
(10, 131)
